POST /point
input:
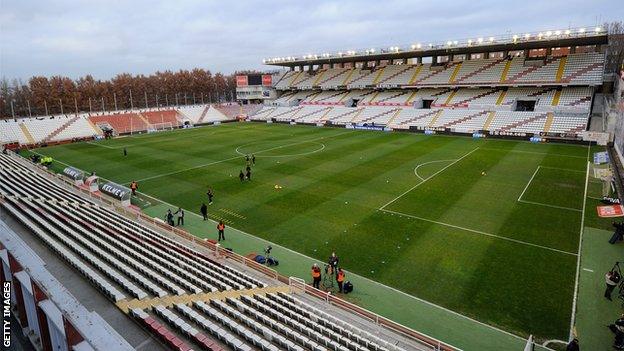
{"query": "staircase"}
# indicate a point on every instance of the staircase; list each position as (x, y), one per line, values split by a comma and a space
(531, 69)
(27, 134)
(401, 71)
(475, 72)
(561, 68)
(556, 98)
(488, 120)
(467, 118)
(503, 77)
(143, 118)
(450, 97)
(549, 121)
(348, 77)
(501, 97)
(435, 118)
(581, 71)
(524, 121)
(416, 73)
(394, 110)
(203, 115)
(319, 76)
(455, 73)
(60, 129)
(378, 76)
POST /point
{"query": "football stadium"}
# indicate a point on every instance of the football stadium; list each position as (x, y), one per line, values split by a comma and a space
(439, 195)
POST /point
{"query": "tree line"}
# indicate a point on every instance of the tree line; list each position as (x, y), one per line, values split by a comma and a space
(58, 94)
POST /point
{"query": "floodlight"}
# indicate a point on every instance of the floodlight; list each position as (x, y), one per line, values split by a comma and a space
(582, 30)
(480, 40)
(598, 29)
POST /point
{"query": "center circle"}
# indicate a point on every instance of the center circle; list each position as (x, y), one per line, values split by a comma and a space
(269, 149)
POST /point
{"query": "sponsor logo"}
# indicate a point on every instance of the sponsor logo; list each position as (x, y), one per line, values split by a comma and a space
(115, 190)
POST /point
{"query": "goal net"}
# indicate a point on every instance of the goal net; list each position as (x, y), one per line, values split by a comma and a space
(159, 127)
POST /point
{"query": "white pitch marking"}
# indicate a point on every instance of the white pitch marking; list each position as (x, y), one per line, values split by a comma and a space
(552, 206)
(588, 270)
(530, 180)
(483, 233)
(426, 163)
(531, 152)
(231, 158)
(431, 176)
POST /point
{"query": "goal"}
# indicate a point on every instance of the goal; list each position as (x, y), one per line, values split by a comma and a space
(159, 127)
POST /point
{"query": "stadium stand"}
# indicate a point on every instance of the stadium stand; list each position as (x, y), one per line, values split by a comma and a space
(185, 296)
(544, 95)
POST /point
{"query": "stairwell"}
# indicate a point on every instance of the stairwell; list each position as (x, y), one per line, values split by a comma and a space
(332, 77)
(464, 119)
(60, 129)
(319, 76)
(561, 68)
(505, 71)
(379, 75)
(331, 96)
(313, 113)
(501, 97)
(348, 77)
(556, 98)
(452, 64)
(362, 76)
(288, 111)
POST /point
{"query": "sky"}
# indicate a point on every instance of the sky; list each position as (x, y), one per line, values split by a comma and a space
(107, 37)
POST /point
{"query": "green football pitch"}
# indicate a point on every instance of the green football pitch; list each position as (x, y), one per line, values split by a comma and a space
(488, 228)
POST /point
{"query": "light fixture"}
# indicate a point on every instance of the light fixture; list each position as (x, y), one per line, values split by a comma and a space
(527, 36)
(540, 35)
(449, 43)
(372, 51)
(549, 33)
(557, 32)
(413, 46)
(480, 40)
(469, 41)
(567, 32)
(598, 29)
(582, 30)
(491, 39)
(455, 42)
(418, 46)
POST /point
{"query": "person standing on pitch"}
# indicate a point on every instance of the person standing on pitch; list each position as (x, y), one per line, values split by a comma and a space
(221, 229)
(210, 196)
(180, 215)
(169, 218)
(253, 160)
(316, 276)
(248, 175)
(134, 186)
(204, 211)
(340, 277)
(612, 279)
(125, 152)
(241, 176)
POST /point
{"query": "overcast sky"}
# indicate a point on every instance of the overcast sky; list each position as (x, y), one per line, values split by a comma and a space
(106, 37)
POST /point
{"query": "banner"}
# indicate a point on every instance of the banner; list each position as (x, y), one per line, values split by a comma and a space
(267, 80)
(116, 191)
(241, 81)
(73, 173)
(610, 211)
(601, 157)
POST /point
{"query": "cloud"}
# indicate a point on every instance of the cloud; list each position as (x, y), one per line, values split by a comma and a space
(106, 37)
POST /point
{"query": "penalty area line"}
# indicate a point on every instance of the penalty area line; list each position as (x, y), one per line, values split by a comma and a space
(481, 232)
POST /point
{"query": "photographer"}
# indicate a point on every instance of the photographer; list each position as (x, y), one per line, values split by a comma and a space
(333, 263)
(618, 329)
(612, 279)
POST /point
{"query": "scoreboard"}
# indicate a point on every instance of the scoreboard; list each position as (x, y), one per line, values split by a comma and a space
(254, 80)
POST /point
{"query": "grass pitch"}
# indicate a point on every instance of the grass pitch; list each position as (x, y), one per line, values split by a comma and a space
(487, 228)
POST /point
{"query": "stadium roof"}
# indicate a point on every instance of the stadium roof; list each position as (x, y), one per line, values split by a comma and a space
(507, 42)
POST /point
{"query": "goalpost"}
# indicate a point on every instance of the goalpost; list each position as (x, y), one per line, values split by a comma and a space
(159, 127)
